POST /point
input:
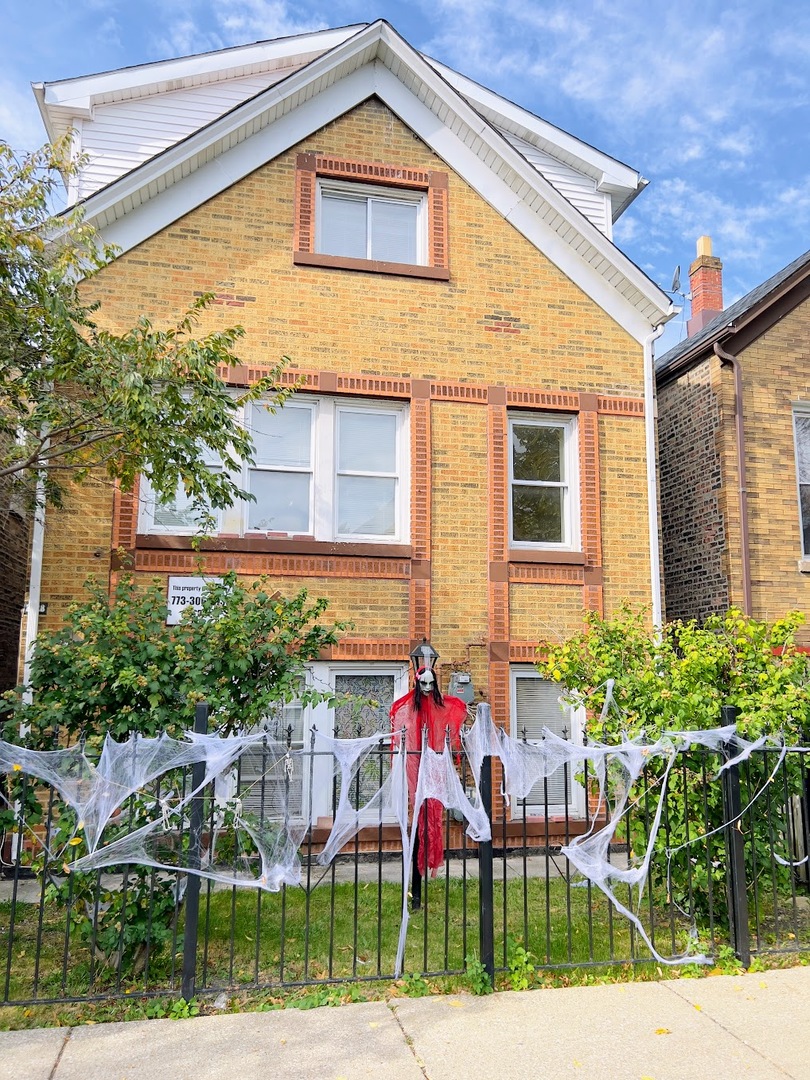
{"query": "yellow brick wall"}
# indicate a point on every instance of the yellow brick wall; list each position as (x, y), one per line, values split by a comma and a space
(544, 612)
(239, 245)
(460, 524)
(775, 376)
(625, 529)
(78, 541)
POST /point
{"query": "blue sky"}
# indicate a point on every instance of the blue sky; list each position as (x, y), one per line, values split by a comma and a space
(710, 101)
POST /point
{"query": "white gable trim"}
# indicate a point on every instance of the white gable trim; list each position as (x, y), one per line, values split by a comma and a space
(561, 144)
(123, 84)
(214, 158)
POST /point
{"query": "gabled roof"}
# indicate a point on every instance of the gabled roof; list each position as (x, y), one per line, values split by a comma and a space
(376, 62)
(61, 101)
(742, 321)
(615, 178)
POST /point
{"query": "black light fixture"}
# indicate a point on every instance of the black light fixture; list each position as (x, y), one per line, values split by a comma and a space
(423, 656)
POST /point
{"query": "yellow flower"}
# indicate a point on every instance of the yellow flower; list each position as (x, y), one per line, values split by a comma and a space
(74, 841)
(16, 768)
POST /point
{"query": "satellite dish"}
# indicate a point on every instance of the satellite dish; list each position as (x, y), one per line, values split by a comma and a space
(676, 280)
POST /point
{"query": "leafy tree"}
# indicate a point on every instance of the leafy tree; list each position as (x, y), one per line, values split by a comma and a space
(677, 679)
(117, 668)
(76, 397)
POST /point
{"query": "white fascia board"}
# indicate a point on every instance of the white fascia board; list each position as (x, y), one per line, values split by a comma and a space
(636, 315)
(642, 306)
(143, 79)
(602, 167)
(221, 172)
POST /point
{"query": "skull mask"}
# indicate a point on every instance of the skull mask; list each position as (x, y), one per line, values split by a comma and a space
(426, 680)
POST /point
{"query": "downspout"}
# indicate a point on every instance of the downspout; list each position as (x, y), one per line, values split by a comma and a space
(745, 546)
(34, 588)
(652, 474)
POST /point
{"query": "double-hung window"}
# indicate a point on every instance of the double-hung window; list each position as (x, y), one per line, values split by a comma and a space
(801, 432)
(536, 706)
(362, 221)
(330, 469)
(370, 216)
(543, 482)
(324, 469)
(179, 515)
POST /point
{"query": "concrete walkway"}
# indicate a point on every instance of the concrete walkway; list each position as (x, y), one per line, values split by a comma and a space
(755, 1026)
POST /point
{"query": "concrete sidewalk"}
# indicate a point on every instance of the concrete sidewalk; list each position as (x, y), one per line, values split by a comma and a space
(755, 1026)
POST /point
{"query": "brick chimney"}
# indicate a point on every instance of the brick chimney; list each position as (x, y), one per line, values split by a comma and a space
(706, 286)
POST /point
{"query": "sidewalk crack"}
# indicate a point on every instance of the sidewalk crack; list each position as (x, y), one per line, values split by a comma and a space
(408, 1040)
(65, 1041)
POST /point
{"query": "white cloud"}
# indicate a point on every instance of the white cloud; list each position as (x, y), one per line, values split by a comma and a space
(20, 123)
(232, 22)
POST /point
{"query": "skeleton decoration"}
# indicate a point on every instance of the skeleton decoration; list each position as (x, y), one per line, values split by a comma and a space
(428, 720)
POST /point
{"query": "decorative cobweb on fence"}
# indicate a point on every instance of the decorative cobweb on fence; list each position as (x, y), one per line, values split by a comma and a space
(260, 810)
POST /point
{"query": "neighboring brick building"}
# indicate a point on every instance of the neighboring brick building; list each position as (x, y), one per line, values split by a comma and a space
(734, 448)
(471, 456)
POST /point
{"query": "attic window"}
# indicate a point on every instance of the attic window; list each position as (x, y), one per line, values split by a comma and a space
(354, 215)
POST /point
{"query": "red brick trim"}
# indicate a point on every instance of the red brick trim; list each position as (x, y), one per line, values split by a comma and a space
(590, 488)
(255, 564)
(370, 649)
(621, 406)
(593, 598)
(435, 185)
(499, 651)
(125, 517)
(419, 614)
(467, 392)
(438, 390)
(542, 399)
(546, 575)
(498, 571)
(276, 546)
(523, 652)
(551, 557)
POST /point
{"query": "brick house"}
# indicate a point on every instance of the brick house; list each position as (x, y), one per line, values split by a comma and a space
(734, 446)
(471, 458)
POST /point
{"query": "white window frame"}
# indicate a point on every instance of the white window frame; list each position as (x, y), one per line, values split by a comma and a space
(323, 524)
(374, 193)
(801, 410)
(569, 484)
(321, 716)
(148, 502)
(574, 719)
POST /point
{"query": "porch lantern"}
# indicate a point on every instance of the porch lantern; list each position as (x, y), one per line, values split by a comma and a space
(423, 656)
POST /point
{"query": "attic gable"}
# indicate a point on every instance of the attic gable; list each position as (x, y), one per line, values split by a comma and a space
(377, 62)
(123, 118)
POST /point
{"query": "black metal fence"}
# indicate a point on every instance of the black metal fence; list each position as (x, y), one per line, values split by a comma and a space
(726, 873)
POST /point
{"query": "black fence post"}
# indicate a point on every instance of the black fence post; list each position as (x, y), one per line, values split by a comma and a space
(736, 893)
(486, 898)
(190, 929)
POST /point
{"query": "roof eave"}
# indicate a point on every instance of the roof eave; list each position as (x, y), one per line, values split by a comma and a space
(381, 42)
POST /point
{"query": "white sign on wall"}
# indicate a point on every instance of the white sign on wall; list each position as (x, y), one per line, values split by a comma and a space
(185, 592)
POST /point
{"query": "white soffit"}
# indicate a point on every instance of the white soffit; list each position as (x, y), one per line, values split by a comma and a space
(378, 62)
(610, 175)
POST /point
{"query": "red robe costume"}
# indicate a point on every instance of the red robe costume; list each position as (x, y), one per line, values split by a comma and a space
(435, 720)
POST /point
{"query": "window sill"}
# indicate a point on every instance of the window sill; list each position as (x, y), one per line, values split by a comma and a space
(275, 546)
(804, 565)
(557, 558)
(338, 262)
